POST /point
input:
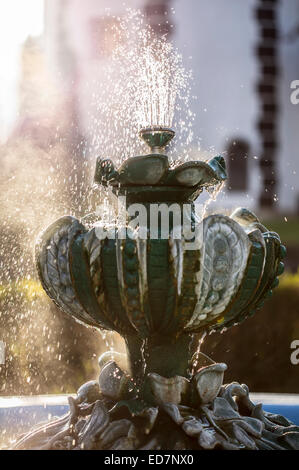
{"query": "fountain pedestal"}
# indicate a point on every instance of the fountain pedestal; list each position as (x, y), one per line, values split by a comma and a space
(162, 355)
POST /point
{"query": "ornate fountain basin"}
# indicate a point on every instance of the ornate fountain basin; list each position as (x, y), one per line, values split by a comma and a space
(146, 287)
(156, 293)
(160, 295)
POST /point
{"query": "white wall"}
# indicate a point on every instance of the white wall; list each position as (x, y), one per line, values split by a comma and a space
(217, 39)
(289, 113)
(220, 37)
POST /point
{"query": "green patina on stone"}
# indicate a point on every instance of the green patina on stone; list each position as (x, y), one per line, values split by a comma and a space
(158, 295)
(162, 296)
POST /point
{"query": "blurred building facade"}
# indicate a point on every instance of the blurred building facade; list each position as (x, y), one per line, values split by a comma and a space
(243, 60)
(37, 97)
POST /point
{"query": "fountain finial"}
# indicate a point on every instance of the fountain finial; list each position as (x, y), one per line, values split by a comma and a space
(156, 137)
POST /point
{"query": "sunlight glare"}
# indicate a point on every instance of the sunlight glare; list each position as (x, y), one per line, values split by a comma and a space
(18, 20)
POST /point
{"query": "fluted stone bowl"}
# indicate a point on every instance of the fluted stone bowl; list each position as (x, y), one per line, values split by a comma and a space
(159, 294)
(145, 287)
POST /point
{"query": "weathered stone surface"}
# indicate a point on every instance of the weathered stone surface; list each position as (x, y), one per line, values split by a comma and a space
(160, 296)
(208, 381)
(89, 392)
(217, 424)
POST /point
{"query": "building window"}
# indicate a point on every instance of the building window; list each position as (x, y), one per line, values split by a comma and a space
(237, 160)
(157, 14)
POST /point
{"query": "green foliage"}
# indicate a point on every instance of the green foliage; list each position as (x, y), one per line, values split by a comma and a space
(258, 351)
(48, 352)
(287, 227)
(290, 281)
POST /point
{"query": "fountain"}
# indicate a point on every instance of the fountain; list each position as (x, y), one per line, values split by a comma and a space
(162, 297)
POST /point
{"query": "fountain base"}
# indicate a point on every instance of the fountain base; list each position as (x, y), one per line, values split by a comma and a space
(202, 414)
